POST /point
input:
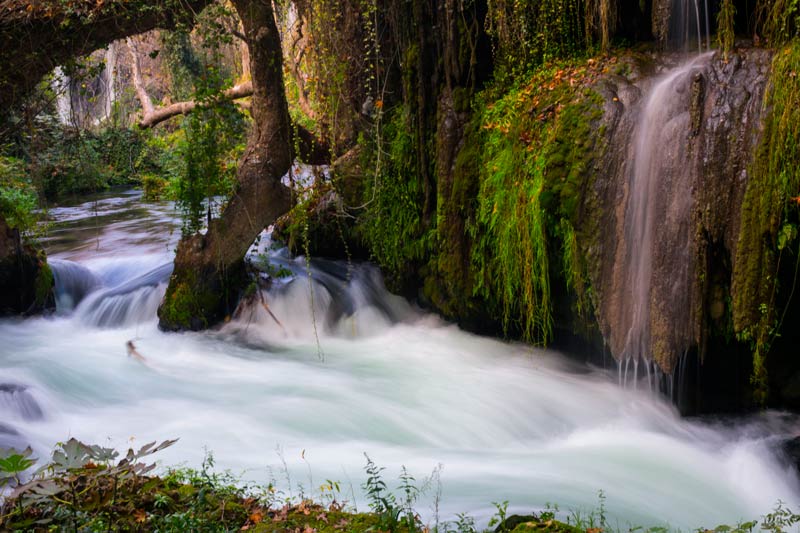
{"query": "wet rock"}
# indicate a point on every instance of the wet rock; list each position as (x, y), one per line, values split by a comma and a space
(707, 146)
(10, 438)
(511, 523)
(26, 282)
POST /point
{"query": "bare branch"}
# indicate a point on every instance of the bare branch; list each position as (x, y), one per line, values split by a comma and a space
(156, 116)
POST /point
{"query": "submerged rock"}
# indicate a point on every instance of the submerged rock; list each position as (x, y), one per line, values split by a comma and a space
(16, 399)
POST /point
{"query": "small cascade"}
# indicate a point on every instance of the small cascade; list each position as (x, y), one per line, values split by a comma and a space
(117, 294)
(17, 402)
(73, 282)
(318, 298)
(130, 302)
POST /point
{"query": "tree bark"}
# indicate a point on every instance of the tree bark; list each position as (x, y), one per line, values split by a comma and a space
(209, 268)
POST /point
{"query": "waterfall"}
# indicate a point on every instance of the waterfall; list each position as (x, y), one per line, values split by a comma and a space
(84, 101)
(659, 191)
(109, 77)
(689, 25)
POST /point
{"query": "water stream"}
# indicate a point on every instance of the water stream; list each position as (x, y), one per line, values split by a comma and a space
(506, 421)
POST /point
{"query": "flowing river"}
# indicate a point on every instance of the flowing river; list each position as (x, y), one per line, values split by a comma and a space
(505, 421)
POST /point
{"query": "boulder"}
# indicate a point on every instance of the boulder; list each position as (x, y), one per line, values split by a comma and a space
(26, 281)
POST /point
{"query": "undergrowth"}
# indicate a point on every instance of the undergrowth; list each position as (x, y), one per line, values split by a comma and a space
(90, 488)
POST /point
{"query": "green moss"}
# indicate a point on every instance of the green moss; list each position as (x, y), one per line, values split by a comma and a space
(769, 216)
(43, 286)
(537, 145)
(449, 281)
(188, 304)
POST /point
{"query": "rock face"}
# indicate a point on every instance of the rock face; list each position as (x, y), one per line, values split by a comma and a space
(26, 282)
(697, 156)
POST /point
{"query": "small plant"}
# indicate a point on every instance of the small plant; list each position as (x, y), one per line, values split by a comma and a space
(780, 519)
(13, 464)
(381, 501)
(499, 519)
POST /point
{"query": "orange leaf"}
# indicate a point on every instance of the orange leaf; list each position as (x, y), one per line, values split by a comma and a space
(140, 515)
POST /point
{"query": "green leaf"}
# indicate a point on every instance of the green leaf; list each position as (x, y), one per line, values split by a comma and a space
(15, 464)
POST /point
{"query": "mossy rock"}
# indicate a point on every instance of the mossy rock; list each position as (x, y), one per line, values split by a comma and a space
(199, 298)
(26, 280)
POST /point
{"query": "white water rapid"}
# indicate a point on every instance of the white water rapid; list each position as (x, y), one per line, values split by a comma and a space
(506, 421)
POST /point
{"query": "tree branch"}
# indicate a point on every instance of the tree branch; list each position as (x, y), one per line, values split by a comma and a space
(156, 116)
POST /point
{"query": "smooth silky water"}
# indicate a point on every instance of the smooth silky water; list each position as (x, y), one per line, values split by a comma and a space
(506, 421)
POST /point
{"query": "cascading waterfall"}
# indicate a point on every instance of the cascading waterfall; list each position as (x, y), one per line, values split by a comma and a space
(61, 89)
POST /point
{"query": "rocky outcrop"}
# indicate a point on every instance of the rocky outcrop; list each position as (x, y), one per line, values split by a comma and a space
(702, 163)
(26, 282)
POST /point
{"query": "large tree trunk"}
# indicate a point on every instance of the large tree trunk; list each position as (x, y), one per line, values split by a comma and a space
(209, 268)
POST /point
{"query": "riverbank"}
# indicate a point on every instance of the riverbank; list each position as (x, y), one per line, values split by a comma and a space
(90, 488)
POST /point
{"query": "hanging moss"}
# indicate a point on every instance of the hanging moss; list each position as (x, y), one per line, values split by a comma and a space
(725, 26)
(528, 33)
(779, 20)
(538, 141)
(768, 227)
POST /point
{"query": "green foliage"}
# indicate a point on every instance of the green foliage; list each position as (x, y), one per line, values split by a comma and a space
(18, 198)
(13, 464)
(88, 488)
(770, 211)
(213, 133)
(392, 226)
(779, 20)
(184, 65)
(537, 142)
(92, 488)
(66, 161)
(528, 33)
(214, 139)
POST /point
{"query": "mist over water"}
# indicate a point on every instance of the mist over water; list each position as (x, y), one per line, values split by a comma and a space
(506, 421)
